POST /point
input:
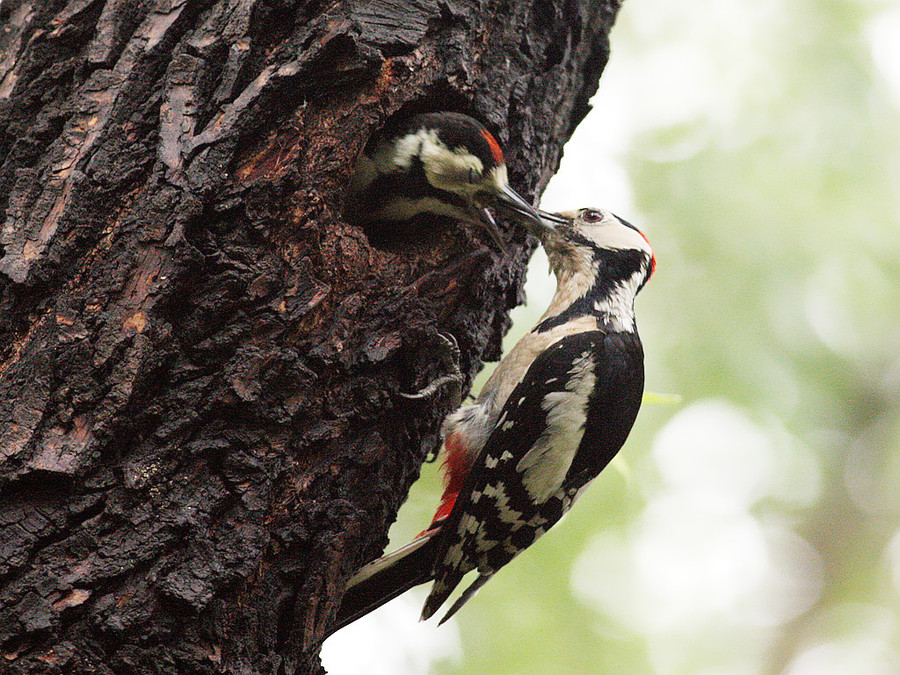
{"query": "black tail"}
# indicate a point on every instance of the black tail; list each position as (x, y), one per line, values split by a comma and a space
(386, 578)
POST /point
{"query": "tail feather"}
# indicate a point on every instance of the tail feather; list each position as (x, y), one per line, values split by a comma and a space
(466, 595)
(440, 591)
(386, 578)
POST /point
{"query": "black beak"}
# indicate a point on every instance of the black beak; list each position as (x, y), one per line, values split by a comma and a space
(536, 221)
(483, 216)
(512, 204)
(551, 221)
(517, 209)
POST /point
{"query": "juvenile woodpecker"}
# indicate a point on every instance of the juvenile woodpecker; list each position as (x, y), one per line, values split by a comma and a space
(442, 163)
(554, 413)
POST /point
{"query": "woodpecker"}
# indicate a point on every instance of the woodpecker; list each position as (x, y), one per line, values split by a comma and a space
(554, 413)
(442, 163)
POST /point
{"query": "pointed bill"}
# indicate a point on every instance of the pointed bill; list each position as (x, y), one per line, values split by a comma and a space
(482, 216)
(550, 221)
(509, 201)
(533, 219)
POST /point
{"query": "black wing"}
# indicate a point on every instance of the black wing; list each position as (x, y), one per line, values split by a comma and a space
(559, 428)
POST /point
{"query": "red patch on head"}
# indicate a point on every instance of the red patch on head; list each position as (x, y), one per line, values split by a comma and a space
(652, 255)
(496, 151)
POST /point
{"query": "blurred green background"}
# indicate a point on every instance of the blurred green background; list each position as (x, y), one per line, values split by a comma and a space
(752, 525)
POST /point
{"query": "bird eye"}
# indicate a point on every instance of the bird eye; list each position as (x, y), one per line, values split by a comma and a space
(591, 216)
(473, 176)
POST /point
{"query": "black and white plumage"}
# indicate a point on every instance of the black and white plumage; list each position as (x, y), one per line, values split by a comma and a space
(555, 411)
(443, 163)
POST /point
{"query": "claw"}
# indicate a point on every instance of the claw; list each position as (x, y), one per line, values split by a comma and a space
(433, 386)
(450, 358)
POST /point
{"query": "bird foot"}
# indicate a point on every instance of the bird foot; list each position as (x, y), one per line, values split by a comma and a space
(449, 355)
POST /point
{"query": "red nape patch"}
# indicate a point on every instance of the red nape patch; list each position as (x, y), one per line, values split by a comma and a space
(496, 151)
(652, 255)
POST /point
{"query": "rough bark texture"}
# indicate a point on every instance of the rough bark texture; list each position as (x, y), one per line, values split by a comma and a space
(200, 359)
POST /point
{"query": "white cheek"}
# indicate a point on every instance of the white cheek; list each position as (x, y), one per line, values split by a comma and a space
(398, 154)
(614, 235)
(498, 178)
(619, 303)
(448, 170)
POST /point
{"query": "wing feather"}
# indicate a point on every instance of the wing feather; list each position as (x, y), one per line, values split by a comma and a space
(553, 435)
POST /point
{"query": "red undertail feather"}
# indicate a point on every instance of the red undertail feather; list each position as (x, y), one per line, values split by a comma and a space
(456, 466)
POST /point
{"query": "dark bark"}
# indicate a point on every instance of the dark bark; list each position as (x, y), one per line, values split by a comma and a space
(200, 360)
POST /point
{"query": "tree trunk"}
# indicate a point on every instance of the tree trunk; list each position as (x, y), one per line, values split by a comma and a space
(201, 433)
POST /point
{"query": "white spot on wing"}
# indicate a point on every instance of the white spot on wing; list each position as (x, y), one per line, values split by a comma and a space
(453, 557)
(476, 421)
(545, 465)
(469, 524)
(537, 520)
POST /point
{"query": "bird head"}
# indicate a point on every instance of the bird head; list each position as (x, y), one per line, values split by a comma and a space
(445, 163)
(597, 246)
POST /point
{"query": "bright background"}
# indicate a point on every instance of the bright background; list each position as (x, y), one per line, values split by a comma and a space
(753, 526)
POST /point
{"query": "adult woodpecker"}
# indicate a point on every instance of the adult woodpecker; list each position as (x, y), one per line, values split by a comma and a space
(442, 163)
(555, 411)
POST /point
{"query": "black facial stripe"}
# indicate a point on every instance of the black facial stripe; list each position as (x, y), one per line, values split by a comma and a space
(647, 265)
(617, 263)
(412, 184)
(575, 236)
(581, 307)
(613, 266)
